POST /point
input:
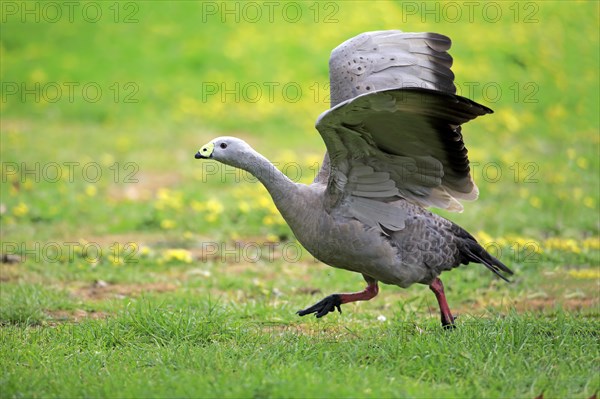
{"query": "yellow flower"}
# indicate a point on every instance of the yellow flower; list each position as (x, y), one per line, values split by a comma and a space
(198, 206)
(244, 207)
(562, 244)
(145, 251)
(20, 210)
(179, 255)
(591, 243)
(582, 162)
(168, 199)
(91, 190)
(523, 192)
(38, 75)
(556, 112)
(27, 185)
(116, 260)
(167, 224)
(536, 202)
(264, 202)
(272, 238)
(214, 206)
(107, 160)
(589, 202)
(585, 273)
(211, 217)
(510, 120)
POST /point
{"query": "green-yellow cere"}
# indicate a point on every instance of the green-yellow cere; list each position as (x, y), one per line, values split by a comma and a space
(207, 149)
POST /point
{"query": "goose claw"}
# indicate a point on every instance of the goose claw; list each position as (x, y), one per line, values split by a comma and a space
(324, 306)
(449, 324)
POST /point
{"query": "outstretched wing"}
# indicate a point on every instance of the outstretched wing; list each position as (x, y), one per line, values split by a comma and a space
(375, 61)
(394, 128)
(403, 143)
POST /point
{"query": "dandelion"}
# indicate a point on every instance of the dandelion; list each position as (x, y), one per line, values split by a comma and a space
(264, 202)
(38, 75)
(145, 251)
(107, 160)
(177, 255)
(523, 193)
(20, 210)
(535, 201)
(211, 217)
(591, 243)
(243, 207)
(511, 121)
(556, 112)
(214, 206)
(198, 206)
(272, 238)
(562, 244)
(116, 260)
(589, 202)
(484, 238)
(91, 190)
(167, 224)
(168, 199)
(123, 143)
(582, 162)
(585, 273)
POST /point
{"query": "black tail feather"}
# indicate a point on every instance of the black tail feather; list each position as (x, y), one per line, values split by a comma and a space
(471, 251)
(474, 252)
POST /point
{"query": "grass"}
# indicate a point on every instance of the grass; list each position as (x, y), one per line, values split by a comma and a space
(156, 350)
(162, 276)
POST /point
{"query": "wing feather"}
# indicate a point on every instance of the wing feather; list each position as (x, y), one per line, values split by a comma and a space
(410, 137)
(394, 129)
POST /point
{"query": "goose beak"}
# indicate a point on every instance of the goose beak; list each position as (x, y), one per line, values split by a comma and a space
(205, 152)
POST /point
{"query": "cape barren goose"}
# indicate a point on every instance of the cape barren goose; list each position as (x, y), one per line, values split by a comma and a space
(394, 147)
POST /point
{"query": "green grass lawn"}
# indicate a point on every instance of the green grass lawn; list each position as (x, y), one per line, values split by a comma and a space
(129, 269)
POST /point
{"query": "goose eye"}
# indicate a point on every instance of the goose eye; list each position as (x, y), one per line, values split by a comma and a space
(223, 145)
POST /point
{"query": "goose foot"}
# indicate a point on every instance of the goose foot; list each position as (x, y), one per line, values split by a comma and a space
(438, 289)
(324, 306)
(448, 324)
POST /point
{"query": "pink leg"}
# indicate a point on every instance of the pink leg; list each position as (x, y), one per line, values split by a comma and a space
(438, 289)
(330, 303)
(368, 293)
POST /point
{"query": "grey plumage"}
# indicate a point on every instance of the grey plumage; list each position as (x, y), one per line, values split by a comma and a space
(394, 146)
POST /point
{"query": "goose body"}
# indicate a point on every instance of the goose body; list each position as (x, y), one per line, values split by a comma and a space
(394, 147)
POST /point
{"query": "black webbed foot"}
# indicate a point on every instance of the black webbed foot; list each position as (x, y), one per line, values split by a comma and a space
(324, 306)
(449, 324)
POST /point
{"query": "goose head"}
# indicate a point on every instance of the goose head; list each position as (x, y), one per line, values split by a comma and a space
(228, 150)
